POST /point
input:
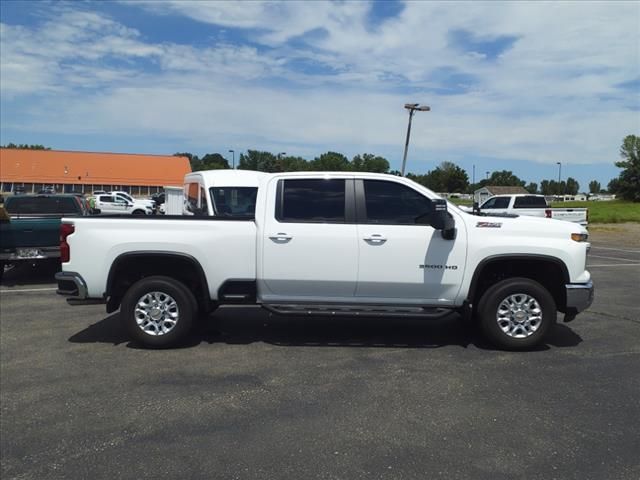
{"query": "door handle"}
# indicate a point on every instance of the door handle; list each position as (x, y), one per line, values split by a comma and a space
(281, 237)
(375, 238)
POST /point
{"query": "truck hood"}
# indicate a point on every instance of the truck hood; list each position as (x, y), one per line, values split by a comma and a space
(539, 226)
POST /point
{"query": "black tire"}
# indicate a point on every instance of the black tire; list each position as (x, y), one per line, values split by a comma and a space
(138, 212)
(184, 306)
(522, 334)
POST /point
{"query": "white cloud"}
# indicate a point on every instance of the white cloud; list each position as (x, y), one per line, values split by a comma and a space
(541, 100)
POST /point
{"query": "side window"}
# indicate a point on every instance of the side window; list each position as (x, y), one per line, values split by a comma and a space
(497, 202)
(203, 202)
(311, 201)
(530, 202)
(106, 198)
(192, 192)
(234, 201)
(392, 203)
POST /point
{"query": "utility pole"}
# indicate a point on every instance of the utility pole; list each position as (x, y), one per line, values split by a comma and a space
(412, 107)
(233, 152)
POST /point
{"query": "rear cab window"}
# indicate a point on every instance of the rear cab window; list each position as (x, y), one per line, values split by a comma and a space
(234, 201)
(530, 201)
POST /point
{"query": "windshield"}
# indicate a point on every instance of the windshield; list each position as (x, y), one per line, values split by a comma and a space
(234, 201)
(125, 196)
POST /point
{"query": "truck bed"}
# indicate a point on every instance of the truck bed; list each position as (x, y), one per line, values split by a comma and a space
(225, 247)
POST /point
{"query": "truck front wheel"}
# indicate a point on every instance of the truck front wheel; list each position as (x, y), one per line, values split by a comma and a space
(516, 313)
(158, 311)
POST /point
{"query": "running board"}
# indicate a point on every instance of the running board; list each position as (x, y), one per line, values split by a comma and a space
(357, 310)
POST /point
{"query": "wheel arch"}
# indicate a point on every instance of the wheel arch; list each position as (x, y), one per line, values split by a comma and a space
(551, 272)
(130, 267)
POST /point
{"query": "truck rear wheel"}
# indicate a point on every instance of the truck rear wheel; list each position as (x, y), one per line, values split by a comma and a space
(516, 313)
(158, 311)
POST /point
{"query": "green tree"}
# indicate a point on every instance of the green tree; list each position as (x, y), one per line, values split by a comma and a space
(532, 187)
(545, 189)
(24, 146)
(292, 164)
(330, 162)
(594, 186)
(214, 161)
(505, 178)
(257, 160)
(368, 162)
(446, 177)
(628, 182)
(454, 179)
(613, 186)
(572, 186)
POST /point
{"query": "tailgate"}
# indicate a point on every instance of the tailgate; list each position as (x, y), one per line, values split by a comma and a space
(576, 215)
(30, 232)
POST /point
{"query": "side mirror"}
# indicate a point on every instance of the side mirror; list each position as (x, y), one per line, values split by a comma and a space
(439, 215)
(476, 207)
(442, 220)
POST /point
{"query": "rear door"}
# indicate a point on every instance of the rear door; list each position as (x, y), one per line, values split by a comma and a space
(402, 261)
(310, 250)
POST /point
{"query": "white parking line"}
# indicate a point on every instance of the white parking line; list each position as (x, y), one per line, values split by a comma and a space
(615, 249)
(613, 258)
(616, 265)
(7, 290)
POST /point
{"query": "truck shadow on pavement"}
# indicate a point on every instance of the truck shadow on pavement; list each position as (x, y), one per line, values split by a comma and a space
(246, 326)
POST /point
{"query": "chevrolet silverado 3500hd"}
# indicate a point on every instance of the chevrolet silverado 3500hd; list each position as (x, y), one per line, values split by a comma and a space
(331, 244)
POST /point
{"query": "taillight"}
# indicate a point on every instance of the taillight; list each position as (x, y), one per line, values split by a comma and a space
(66, 229)
(547, 213)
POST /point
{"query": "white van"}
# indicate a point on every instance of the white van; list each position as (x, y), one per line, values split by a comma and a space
(224, 193)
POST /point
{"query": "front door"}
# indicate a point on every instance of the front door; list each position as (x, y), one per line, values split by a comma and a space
(310, 249)
(402, 261)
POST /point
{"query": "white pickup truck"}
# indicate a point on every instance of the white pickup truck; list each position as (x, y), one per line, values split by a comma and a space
(531, 205)
(332, 244)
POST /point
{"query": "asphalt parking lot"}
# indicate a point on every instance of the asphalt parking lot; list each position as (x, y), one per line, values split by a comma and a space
(252, 396)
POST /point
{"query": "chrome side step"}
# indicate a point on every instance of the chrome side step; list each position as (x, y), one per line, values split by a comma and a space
(330, 310)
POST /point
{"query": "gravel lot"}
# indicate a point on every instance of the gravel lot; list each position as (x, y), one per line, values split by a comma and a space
(273, 398)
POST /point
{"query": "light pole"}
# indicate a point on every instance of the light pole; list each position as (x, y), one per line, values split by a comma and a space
(412, 107)
(487, 174)
(233, 152)
(559, 171)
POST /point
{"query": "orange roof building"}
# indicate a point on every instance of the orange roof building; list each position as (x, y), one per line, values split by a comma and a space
(89, 171)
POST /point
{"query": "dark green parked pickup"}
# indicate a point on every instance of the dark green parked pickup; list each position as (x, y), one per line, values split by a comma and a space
(30, 229)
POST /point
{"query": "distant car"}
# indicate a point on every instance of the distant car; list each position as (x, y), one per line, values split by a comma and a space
(19, 190)
(48, 190)
(99, 192)
(159, 198)
(114, 204)
(130, 199)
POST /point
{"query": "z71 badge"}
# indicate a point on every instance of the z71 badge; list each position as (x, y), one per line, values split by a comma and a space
(488, 225)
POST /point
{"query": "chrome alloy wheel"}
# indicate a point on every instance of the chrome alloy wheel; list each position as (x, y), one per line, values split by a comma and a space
(519, 315)
(156, 313)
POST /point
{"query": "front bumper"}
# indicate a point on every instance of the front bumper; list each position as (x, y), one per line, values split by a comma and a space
(579, 297)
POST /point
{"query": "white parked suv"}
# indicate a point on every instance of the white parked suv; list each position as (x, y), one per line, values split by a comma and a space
(110, 204)
(331, 244)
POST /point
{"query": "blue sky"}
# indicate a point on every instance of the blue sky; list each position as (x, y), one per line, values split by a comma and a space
(514, 85)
